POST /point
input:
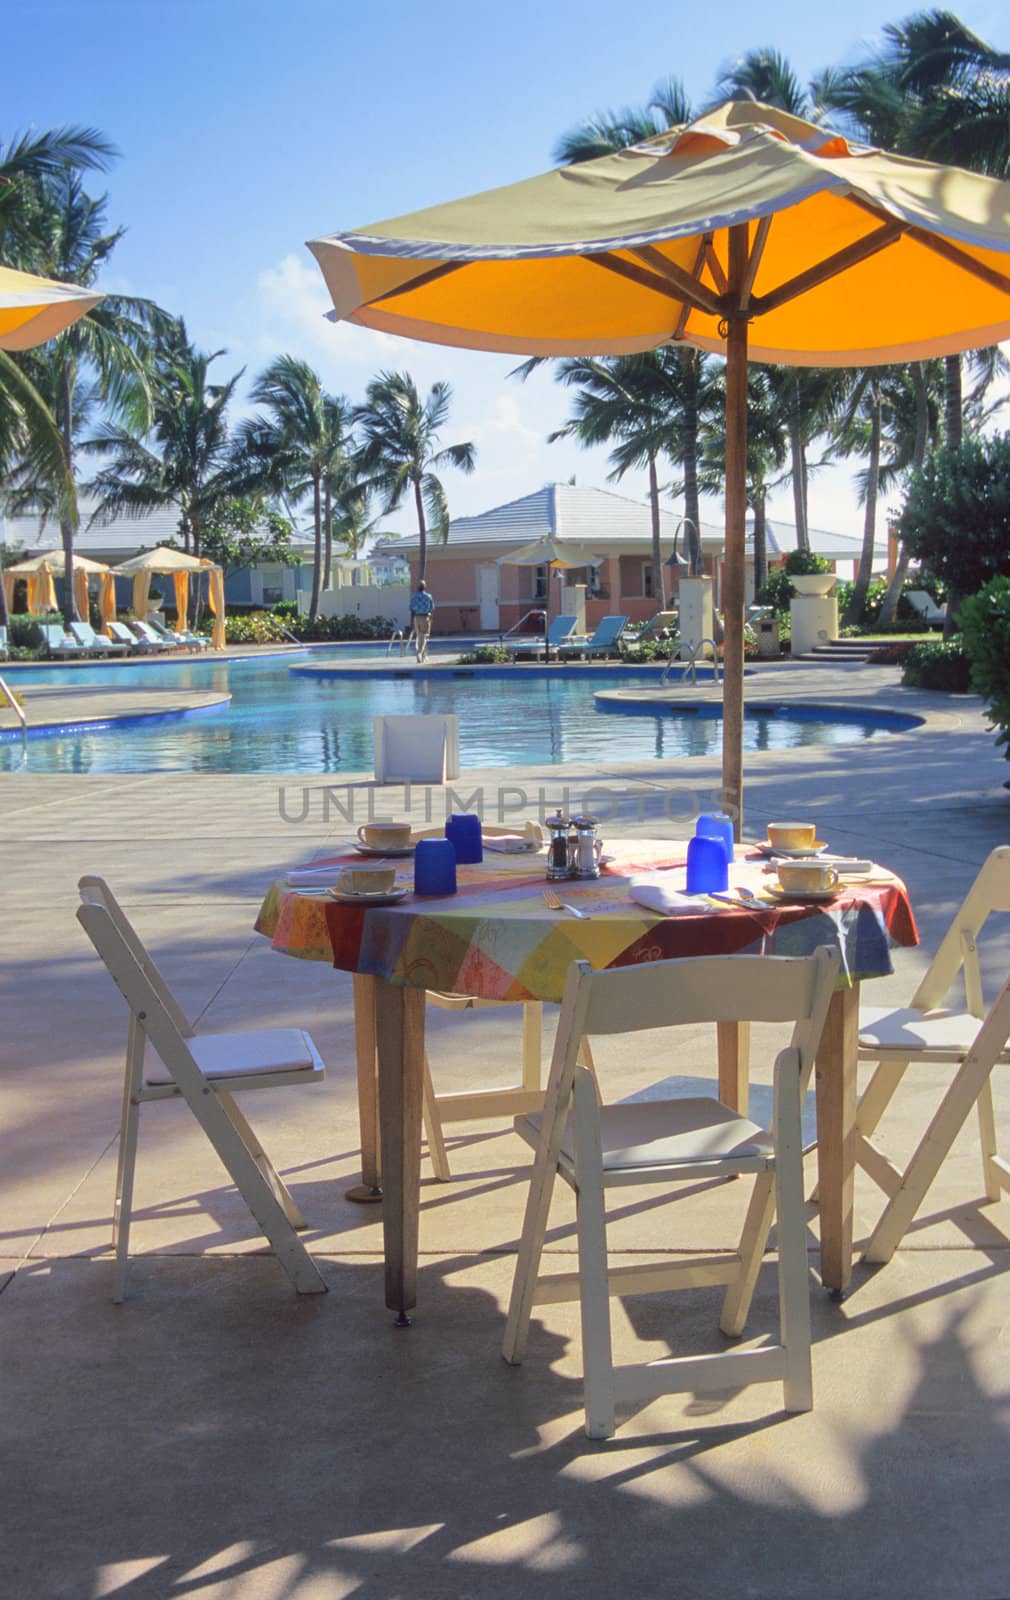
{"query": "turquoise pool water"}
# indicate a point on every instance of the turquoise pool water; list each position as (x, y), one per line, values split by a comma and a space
(285, 721)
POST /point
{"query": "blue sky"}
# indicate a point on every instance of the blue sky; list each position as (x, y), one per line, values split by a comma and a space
(248, 126)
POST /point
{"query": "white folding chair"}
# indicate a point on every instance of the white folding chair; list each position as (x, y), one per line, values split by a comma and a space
(930, 1031)
(416, 749)
(206, 1071)
(595, 1147)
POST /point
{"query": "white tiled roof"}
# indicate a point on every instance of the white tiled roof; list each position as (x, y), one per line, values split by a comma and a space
(781, 538)
(564, 511)
(112, 541)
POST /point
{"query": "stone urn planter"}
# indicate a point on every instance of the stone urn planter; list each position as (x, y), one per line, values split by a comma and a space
(819, 583)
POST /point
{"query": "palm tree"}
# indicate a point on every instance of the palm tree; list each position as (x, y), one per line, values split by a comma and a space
(608, 131)
(767, 453)
(185, 457)
(298, 447)
(767, 76)
(937, 92)
(400, 450)
(104, 358)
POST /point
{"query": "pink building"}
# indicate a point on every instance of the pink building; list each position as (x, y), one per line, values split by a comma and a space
(474, 594)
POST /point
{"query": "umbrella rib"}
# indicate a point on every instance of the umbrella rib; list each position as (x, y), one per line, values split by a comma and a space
(715, 265)
(943, 247)
(420, 282)
(648, 280)
(830, 267)
(754, 259)
(696, 272)
(691, 288)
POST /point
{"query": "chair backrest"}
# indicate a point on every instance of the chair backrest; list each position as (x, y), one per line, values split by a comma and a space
(96, 892)
(84, 633)
(561, 627)
(121, 633)
(144, 631)
(663, 994)
(609, 630)
(150, 1016)
(990, 892)
(53, 634)
(158, 626)
(423, 749)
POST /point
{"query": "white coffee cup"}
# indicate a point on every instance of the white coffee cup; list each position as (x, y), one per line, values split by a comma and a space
(384, 835)
(366, 880)
(807, 876)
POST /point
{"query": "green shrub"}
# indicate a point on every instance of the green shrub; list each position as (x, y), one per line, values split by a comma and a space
(892, 655)
(26, 631)
(354, 627)
(484, 656)
(649, 650)
(938, 664)
(776, 591)
(253, 627)
(985, 619)
(800, 562)
(285, 608)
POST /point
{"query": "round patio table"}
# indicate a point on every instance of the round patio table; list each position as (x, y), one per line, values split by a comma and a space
(496, 939)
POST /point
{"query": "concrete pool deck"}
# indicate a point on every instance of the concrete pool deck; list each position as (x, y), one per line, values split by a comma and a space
(215, 1436)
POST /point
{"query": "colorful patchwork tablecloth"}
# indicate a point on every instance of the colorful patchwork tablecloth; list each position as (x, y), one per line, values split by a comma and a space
(497, 940)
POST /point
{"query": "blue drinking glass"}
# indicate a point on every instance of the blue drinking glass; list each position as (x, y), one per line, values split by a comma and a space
(716, 825)
(707, 867)
(435, 867)
(463, 829)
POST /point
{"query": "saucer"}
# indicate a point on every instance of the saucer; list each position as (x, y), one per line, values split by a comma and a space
(374, 850)
(386, 897)
(794, 852)
(811, 896)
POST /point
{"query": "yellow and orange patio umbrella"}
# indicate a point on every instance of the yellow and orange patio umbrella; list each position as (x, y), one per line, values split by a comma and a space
(177, 564)
(35, 309)
(748, 232)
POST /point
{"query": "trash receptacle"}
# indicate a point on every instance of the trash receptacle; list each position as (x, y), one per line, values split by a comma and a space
(768, 636)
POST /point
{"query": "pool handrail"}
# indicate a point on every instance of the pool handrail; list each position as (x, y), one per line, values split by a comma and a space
(397, 633)
(16, 707)
(691, 665)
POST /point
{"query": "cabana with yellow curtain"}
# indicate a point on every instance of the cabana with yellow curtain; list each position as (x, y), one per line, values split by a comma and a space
(39, 572)
(177, 565)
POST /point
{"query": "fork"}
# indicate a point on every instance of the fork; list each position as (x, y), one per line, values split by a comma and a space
(554, 904)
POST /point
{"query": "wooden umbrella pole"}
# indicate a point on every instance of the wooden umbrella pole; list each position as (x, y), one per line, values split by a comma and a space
(736, 517)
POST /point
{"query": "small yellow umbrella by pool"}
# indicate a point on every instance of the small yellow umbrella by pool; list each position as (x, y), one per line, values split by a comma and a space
(39, 572)
(35, 309)
(177, 564)
(748, 232)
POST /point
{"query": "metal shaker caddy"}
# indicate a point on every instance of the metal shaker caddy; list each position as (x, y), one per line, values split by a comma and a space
(574, 849)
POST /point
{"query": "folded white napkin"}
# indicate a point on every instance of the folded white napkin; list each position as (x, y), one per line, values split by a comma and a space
(656, 891)
(317, 875)
(511, 843)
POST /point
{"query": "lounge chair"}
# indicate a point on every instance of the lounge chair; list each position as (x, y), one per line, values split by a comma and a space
(923, 603)
(60, 644)
(168, 636)
(93, 643)
(4, 652)
(603, 643)
(561, 628)
(134, 646)
(660, 626)
(146, 634)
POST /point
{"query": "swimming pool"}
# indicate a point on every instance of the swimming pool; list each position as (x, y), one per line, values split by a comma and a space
(286, 721)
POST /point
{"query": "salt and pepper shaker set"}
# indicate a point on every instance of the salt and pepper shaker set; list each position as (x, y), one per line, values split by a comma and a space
(575, 847)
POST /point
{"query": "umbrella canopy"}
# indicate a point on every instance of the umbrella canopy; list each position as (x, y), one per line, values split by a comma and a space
(747, 232)
(165, 560)
(550, 552)
(54, 561)
(35, 309)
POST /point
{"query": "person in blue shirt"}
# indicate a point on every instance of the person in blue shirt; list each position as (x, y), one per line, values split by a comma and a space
(421, 608)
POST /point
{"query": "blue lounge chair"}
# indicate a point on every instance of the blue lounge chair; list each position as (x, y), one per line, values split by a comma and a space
(146, 634)
(60, 644)
(167, 635)
(560, 629)
(93, 642)
(603, 643)
(133, 646)
(4, 652)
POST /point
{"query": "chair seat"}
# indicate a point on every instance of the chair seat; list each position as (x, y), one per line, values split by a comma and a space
(243, 1055)
(944, 1035)
(660, 1133)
